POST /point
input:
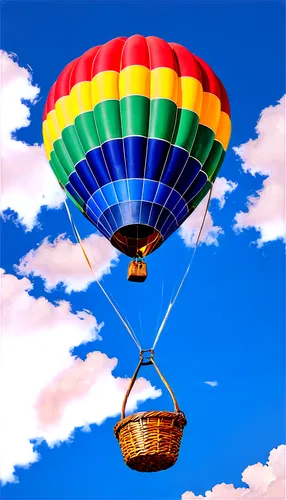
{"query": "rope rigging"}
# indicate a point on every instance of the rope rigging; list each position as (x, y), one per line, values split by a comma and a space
(112, 302)
(185, 275)
(124, 321)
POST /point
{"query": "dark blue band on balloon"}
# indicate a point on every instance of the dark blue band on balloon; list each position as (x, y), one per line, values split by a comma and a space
(86, 175)
(176, 161)
(74, 193)
(188, 175)
(79, 187)
(195, 188)
(114, 157)
(157, 151)
(135, 155)
(98, 166)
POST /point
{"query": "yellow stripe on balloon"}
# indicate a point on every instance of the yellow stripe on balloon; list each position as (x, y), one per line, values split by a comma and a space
(134, 80)
(80, 98)
(64, 112)
(210, 113)
(47, 139)
(164, 84)
(224, 130)
(53, 126)
(190, 95)
(104, 86)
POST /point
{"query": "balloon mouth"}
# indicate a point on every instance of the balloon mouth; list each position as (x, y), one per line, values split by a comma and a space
(137, 240)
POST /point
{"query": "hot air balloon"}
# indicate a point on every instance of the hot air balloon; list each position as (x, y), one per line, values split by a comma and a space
(136, 132)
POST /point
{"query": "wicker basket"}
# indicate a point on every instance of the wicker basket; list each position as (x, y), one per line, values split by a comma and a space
(150, 441)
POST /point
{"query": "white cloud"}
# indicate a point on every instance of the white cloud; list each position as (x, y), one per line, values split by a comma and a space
(265, 156)
(212, 383)
(190, 228)
(45, 391)
(28, 182)
(264, 481)
(62, 261)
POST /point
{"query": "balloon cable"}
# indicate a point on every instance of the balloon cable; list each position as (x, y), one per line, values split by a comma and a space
(185, 275)
(77, 235)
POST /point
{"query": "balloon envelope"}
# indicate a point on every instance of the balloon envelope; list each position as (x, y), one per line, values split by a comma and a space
(136, 131)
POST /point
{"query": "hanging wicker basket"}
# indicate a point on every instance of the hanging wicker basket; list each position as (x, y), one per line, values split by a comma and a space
(150, 441)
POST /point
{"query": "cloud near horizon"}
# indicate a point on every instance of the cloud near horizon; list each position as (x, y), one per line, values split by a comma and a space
(264, 482)
(62, 261)
(48, 392)
(265, 157)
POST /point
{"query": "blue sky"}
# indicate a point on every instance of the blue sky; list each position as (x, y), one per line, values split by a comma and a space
(228, 323)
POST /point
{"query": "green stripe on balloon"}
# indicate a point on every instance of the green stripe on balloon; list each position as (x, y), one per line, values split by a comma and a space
(203, 143)
(58, 170)
(107, 118)
(72, 143)
(135, 112)
(162, 119)
(185, 129)
(216, 172)
(86, 129)
(63, 156)
(213, 159)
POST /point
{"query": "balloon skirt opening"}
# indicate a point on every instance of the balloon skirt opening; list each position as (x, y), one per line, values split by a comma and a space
(137, 240)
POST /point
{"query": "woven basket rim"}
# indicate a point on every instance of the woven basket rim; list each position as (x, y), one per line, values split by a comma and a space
(135, 417)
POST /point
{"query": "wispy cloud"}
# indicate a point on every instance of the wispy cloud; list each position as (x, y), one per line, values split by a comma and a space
(212, 383)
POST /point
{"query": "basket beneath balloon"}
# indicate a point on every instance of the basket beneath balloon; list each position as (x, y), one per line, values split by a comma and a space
(150, 441)
(137, 271)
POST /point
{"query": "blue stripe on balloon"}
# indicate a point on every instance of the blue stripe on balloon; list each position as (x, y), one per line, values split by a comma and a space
(103, 227)
(86, 175)
(126, 213)
(176, 161)
(180, 207)
(188, 175)
(155, 212)
(135, 189)
(135, 207)
(161, 219)
(162, 194)
(98, 166)
(109, 194)
(149, 190)
(156, 156)
(77, 184)
(114, 157)
(195, 188)
(109, 216)
(73, 193)
(145, 212)
(122, 192)
(172, 200)
(117, 215)
(135, 154)
(94, 207)
(100, 200)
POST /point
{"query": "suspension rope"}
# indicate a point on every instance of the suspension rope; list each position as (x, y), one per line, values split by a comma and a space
(77, 235)
(185, 275)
